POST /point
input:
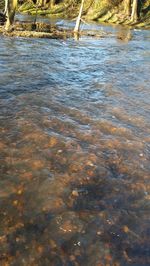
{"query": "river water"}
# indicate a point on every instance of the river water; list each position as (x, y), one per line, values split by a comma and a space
(75, 150)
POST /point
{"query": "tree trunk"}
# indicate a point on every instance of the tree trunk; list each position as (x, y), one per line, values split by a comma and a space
(134, 15)
(40, 3)
(77, 26)
(127, 9)
(10, 12)
(6, 5)
(52, 3)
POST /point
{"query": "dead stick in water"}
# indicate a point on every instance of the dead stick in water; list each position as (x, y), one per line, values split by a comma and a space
(35, 19)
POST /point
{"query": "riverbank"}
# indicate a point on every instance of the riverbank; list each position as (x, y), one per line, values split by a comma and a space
(105, 11)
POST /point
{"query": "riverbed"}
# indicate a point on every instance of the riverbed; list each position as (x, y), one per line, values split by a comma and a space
(75, 149)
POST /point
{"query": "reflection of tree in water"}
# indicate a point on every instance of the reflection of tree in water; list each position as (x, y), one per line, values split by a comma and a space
(124, 34)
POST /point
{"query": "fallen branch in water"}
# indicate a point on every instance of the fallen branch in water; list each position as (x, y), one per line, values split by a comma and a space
(37, 34)
(45, 30)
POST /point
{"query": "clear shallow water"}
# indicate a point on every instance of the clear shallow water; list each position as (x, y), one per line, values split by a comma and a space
(75, 150)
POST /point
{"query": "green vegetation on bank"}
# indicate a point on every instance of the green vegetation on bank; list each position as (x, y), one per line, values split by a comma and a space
(127, 12)
(110, 11)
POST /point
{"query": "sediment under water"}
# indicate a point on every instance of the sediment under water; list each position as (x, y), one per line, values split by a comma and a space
(75, 151)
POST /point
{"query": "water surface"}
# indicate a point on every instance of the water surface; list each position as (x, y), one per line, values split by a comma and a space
(75, 150)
